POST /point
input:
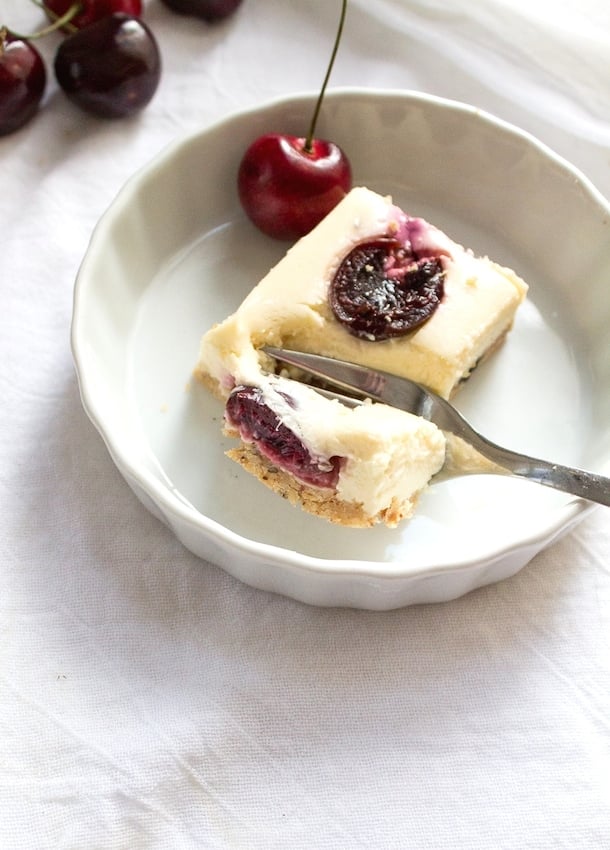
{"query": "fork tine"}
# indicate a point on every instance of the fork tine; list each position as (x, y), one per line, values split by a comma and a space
(414, 398)
(379, 386)
(348, 376)
(362, 381)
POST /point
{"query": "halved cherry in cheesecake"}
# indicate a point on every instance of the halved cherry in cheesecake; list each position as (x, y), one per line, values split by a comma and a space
(247, 413)
(382, 289)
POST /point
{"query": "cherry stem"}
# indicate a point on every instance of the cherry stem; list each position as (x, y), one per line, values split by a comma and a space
(59, 21)
(314, 120)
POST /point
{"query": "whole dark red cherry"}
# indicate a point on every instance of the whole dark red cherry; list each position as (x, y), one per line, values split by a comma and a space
(92, 10)
(209, 10)
(22, 81)
(111, 67)
(288, 184)
(286, 189)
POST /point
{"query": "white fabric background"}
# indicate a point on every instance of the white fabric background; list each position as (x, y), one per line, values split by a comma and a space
(147, 699)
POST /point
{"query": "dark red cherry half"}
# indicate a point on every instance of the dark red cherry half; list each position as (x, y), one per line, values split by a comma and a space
(247, 413)
(381, 290)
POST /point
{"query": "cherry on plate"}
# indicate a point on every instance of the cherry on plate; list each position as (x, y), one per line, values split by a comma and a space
(111, 67)
(288, 184)
(286, 189)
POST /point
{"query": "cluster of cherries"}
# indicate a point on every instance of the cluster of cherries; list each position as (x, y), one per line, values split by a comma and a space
(108, 62)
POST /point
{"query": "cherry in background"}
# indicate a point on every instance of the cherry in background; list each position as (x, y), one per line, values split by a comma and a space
(208, 10)
(287, 184)
(108, 64)
(91, 10)
(110, 68)
(22, 81)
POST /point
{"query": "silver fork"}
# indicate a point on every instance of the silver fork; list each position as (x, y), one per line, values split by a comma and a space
(469, 451)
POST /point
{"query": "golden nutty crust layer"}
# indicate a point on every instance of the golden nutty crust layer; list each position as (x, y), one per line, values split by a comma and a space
(211, 384)
(315, 501)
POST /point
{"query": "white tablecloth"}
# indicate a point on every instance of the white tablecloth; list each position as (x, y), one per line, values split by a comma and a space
(147, 699)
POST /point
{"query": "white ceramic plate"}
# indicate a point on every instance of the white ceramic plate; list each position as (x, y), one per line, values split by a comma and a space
(174, 254)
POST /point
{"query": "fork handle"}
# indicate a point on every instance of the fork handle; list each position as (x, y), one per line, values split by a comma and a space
(578, 482)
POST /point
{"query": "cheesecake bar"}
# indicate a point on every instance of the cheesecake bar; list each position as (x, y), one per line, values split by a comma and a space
(372, 285)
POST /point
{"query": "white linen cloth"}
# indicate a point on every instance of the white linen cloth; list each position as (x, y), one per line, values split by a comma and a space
(149, 700)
